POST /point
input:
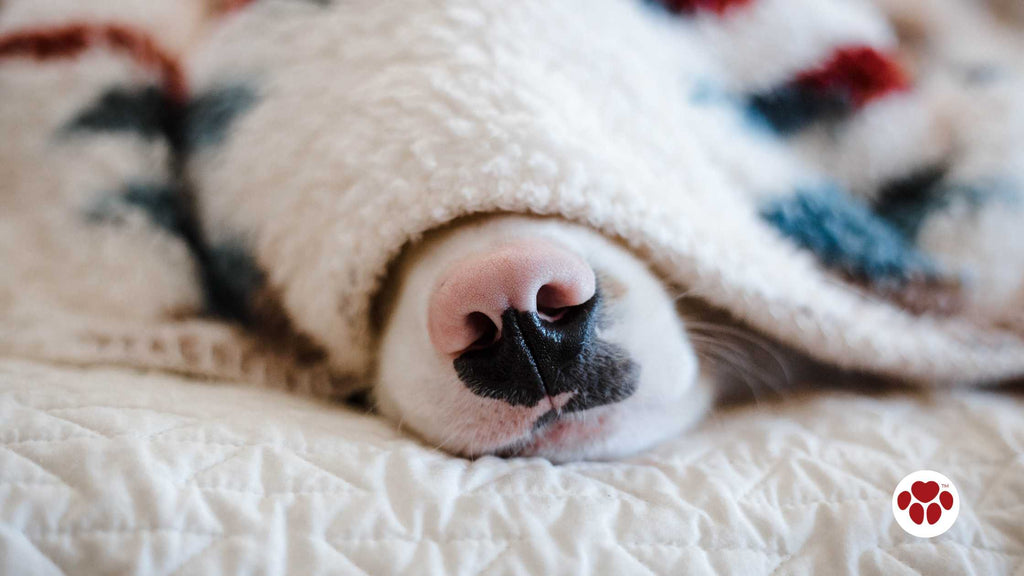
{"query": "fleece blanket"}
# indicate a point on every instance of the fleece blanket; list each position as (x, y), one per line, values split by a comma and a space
(105, 471)
(844, 176)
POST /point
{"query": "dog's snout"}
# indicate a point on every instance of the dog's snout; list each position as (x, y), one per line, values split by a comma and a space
(532, 336)
(539, 278)
(535, 358)
(520, 324)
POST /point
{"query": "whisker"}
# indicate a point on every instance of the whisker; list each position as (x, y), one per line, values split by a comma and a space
(744, 335)
(741, 360)
(439, 447)
(728, 346)
(743, 372)
(717, 359)
(682, 295)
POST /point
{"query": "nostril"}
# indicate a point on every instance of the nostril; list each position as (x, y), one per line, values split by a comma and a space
(550, 305)
(551, 314)
(553, 303)
(488, 332)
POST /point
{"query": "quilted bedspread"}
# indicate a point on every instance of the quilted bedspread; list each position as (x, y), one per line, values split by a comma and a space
(107, 471)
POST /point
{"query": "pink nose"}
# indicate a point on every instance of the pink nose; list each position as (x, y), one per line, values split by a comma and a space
(526, 275)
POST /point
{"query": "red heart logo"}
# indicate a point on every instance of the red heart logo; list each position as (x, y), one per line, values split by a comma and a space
(925, 491)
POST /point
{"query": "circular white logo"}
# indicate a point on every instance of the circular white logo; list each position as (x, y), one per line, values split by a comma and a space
(925, 504)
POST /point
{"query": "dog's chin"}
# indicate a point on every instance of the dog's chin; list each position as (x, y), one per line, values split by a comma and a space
(604, 433)
(469, 426)
(607, 432)
(565, 438)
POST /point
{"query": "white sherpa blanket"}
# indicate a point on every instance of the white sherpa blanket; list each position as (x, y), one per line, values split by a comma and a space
(108, 472)
(788, 160)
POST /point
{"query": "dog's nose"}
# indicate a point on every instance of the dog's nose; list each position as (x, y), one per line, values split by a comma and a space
(534, 277)
(517, 321)
(520, 324)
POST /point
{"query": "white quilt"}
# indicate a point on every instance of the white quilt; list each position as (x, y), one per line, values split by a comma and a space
(111, 472)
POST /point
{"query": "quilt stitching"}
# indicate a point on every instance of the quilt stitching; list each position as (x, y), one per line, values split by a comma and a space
(7, 442)
(42, 554)
(782, 562)
(638, 561)
(690, 545)
(764, 476)
(1008, 465)
(75, 424)
(483, 569)
(190, 479)
(851, 478)
(973, 547)
(901, 562)
(827, 501)
(273, 493)
(133, 531)
(35, 464)
(348, 483)
(24, 484)
(345, 556)
(49, 472)
(646, 502)
(196, 555)
(419, 538)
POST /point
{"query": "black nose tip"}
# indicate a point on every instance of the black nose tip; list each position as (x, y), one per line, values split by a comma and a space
(536, 358)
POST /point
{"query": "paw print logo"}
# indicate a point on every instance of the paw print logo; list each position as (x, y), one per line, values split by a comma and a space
(925, 504)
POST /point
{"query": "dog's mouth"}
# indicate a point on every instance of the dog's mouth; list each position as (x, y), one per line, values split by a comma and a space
(557, 431)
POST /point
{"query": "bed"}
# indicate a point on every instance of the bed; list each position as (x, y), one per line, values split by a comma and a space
(111, 471)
